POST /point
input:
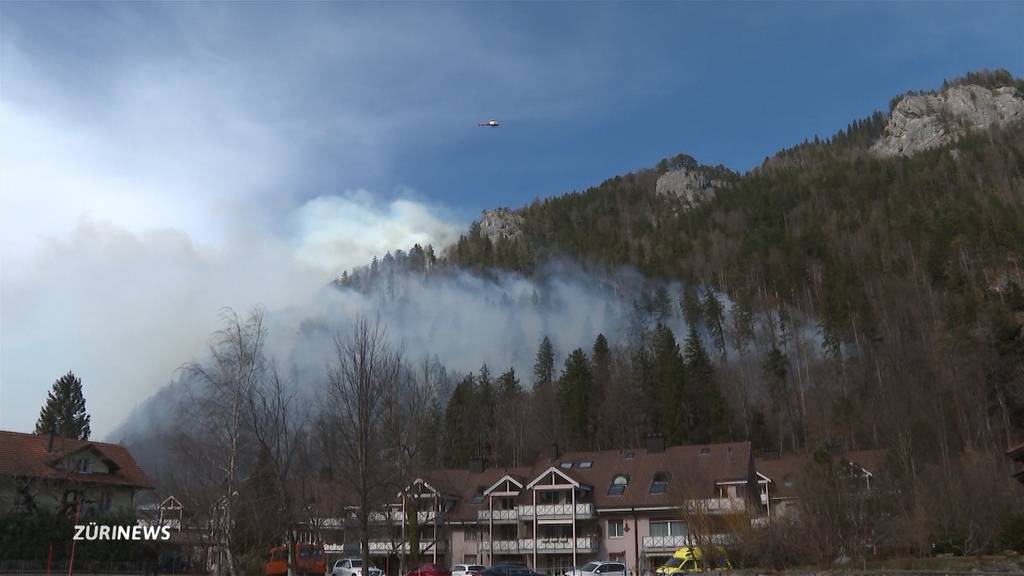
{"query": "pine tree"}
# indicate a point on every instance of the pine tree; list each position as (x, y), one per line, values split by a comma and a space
(575, 393)
(689, 301)
(708, 413)
(544, 366)
(666, 386)
(601, 361)
(714, 315)
(64, 412)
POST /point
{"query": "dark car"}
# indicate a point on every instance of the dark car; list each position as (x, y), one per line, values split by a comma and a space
(431, 570)
(509, 570)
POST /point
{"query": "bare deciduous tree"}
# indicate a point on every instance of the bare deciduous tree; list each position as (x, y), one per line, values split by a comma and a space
(363, 377)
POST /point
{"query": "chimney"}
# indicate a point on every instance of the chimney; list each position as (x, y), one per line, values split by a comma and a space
(655, 444)
(53, 431)
(554, 451)
(476, 465)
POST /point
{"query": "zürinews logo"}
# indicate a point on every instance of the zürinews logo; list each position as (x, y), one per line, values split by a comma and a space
(93, 531)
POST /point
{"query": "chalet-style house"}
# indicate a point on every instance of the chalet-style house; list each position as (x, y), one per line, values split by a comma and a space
(780, 479)
(1016, 454)
(637, 506)
(43, 472)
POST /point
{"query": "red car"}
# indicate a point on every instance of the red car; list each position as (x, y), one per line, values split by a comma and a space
(431, 570)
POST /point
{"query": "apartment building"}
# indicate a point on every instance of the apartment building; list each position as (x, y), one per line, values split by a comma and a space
(637, 506)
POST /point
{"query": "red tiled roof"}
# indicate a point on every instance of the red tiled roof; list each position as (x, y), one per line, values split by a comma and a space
(26, 455)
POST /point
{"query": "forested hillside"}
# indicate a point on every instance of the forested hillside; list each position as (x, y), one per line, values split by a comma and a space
(835, 300)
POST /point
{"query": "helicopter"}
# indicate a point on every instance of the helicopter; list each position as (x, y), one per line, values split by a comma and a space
(488, 124)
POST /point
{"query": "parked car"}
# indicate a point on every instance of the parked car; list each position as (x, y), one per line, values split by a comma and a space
(599, 569)
(352, 567)
(509, 570)
(467, 569)
(431, 570)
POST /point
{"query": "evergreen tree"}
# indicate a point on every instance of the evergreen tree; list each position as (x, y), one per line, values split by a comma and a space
(714, 315)
(64, 412)
(461, 424)
(708, 409)
(601, 360)
(665, 384)
(775, 370)
(690, 303)
(544, 366)
(575, 392)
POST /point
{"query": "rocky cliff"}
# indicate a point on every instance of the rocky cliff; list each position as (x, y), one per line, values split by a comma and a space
(920, 122)
(500, 223)
(691, 185)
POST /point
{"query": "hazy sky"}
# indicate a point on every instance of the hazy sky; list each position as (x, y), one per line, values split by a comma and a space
(158, 161)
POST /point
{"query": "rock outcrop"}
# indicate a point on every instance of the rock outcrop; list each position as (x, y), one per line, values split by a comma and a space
(691, 185)
(921, 122)
(501, 224)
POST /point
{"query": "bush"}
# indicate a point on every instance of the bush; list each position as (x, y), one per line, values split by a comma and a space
(1011, 537)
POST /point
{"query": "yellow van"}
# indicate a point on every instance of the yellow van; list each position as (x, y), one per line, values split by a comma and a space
(687, 560)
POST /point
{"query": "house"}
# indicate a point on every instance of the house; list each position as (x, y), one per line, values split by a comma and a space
(1016, 454)
(45, 472)
(781, 479)
(637, 506)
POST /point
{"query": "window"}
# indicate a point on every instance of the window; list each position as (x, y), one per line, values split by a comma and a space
(668, 528)
(478, 498)
(787, 481)
(705, 451)
(628, 455)
(566, 465)
(659, 484)
(471, 535)
(615, 528)
(584, 464)
(618, 485)
(82, 465)
(469, 559)
(548, 497)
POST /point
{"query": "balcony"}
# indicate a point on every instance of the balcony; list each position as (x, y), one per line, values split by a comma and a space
(500, 546)
(397, 516)
(559, 545)
(717, 505)
(663, 543)
(556, 511)
(499, 516)
(388, 547)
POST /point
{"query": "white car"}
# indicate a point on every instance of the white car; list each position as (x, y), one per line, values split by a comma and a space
(599, 569)
(352, 567)
(467, 569)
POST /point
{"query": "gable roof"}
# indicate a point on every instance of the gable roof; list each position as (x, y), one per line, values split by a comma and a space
(694, 470)
(791, 467)
(25, 455)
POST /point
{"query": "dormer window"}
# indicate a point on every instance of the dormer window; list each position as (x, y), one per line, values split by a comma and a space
(566, 465)
(82, 465)
(659, 484)
(584, 464)
(478, 498)
(618, 485)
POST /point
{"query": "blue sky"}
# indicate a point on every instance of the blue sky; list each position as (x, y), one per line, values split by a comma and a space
(168, 159)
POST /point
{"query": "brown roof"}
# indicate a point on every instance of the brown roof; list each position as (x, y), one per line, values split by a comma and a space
(1015, 451)
(25, 455)
(785, 472)
(693, 472)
